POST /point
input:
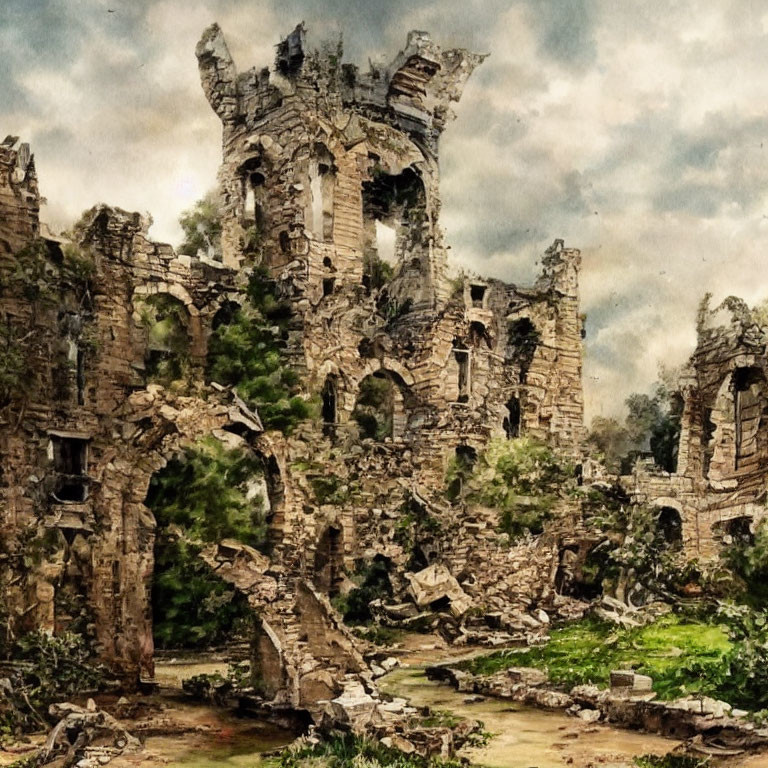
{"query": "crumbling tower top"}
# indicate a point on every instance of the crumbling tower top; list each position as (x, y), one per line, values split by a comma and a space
(412, 93)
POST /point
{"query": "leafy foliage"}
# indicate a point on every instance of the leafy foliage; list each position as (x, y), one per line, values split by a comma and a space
(749, 561)
(374, 407)
(202, 227)
(205, 496)
(521, 478)
(51, 668)
(348, 750)
(634, 555)
(248, 353)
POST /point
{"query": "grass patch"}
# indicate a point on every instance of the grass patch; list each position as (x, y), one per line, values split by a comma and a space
(682, 656)
(345, 750)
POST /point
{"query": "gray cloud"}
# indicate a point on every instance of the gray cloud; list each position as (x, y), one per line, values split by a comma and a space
(634, 130)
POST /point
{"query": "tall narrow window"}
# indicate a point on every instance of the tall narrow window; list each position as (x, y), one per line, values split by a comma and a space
(747, 390)
(512, 419)
(461, 353)
(322, 181)
(329, 402)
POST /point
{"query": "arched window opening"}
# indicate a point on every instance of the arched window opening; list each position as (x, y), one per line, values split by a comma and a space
(207, 493)
(477, 294)
(738, 531)
(329, 283)
(285, 241)
(669, 525)
(254, 202)
(329, 561)
(327, 263)
(512, 419)
(165, 321)
(461, 355)
(478, 335)
(375, 406)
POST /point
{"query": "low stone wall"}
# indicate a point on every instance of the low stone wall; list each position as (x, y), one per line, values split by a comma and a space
(701, 717)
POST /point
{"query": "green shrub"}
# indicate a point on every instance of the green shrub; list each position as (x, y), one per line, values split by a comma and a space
(52, 668)
(374, 584)
(248, 353)
(521, 478)
(348, 750)
(749, 561)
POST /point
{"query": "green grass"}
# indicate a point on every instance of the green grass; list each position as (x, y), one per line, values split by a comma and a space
(346, 750)
(682, 656)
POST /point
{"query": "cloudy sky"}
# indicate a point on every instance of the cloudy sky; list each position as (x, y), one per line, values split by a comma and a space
(635, 130)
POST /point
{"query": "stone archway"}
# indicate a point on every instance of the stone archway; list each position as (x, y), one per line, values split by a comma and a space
(158, 426)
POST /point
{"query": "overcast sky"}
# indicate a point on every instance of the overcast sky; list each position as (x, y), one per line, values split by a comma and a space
(634, 129)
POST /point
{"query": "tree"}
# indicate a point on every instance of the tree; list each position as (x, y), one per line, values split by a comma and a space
(202, 227)
(652, 424)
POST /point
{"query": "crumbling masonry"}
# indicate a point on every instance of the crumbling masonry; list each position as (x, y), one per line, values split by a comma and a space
(717, 493)
(326, 173)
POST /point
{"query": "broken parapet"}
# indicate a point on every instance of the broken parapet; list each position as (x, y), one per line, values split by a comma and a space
(19, 196)
(300, 144)
(413, 92)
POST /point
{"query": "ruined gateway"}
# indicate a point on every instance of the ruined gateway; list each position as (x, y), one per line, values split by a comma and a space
(331, 168)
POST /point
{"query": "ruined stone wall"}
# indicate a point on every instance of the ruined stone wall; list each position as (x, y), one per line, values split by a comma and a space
(80, 432)
(720, 482)
(325, 175)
